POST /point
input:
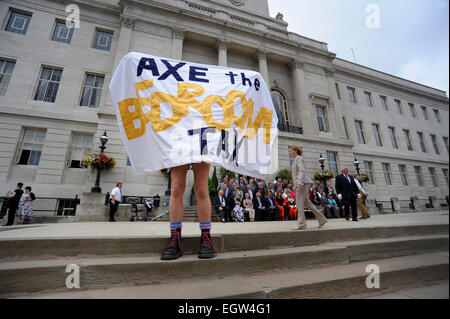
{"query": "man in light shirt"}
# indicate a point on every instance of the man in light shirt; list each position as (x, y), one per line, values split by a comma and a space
(116, 198)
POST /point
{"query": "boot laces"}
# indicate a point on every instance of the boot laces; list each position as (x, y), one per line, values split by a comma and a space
(175, 238)
(207, 242)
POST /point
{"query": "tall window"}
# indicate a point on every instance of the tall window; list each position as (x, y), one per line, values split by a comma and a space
(18, 21)
(425, 113)
(403, 174)
(387, 173)
(6, 69)
(351, 94)
(393, 137)
(408, 140)
(398, 103)
(437, 115)
(422, 142)
(412, 110)
(368, 96)
(419, 175)
(48, 84)
(279, 102)
(445, 139)
(376, 132)
(435, 144)
(92, 90)
(338, 92)
(332, 162)
(360, 132)
(369, 170)
(445, 172)
(384, 103)
(62, 33)
(30, 147)
(345, 127)
(322, 118)
(433, 175)
(102, 40)
(80, 147)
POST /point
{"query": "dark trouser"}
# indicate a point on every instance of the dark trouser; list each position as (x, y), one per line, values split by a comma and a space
(113, 209)
(260, 214)
(330, 212)
(11, 213)
(274, 213)
(225, 214)
(350, 204)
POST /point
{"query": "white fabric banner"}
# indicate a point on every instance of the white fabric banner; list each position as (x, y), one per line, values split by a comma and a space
(173, 113)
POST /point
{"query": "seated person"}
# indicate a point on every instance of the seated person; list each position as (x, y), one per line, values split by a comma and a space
(334, 209)
(221, 207)
(238, 212)
(249, 212)
(290, 207)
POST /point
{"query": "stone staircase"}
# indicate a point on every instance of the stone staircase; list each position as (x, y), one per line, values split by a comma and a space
(308, 264)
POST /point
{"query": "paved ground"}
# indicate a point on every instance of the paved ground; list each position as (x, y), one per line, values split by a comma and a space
(161, 229)
(438, 291)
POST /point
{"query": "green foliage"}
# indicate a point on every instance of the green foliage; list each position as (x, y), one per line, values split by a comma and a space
(214, 178)
(212, 189)
(223, 172)
(285, 174)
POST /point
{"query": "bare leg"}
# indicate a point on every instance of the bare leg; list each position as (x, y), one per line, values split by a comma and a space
(201, 173)
(178, 186)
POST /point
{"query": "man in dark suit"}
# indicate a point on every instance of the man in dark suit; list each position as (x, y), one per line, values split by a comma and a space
(260, 206)
(221, 206)
(13, 203)
(272, 209)
(348, 192)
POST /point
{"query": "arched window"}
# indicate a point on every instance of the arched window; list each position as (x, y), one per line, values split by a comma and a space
(279, 101)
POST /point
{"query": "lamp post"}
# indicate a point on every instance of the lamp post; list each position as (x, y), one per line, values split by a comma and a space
(96, 188)
(356, 163)
(322, 166)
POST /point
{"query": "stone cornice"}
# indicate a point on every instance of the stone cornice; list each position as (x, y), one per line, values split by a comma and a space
(385, 82)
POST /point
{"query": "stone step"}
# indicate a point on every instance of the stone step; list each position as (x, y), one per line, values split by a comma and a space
(336, 281)
(106, 272)
(16, 248)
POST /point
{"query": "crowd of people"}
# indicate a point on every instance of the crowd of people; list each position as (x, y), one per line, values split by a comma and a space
(248, 199)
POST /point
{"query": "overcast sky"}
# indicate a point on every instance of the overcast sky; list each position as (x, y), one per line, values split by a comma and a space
(412, 40)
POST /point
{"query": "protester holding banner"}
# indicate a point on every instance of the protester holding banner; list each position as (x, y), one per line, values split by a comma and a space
(167, 112)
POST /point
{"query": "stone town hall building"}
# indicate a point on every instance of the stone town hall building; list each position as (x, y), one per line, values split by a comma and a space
(55, 104)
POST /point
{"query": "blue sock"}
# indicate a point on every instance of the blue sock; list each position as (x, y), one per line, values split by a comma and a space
(175, 225)
(205, 226)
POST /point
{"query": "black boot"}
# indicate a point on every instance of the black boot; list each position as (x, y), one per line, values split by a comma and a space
(175, 249)
(207, 249)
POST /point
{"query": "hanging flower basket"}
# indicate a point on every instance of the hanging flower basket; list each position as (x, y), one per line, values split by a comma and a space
(363, 178)
(318, 176)
(98, 160)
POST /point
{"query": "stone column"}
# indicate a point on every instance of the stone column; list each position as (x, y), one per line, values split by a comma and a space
(302, 102)
(261, 55)
(222, 49)
(177, 43)
(335, 114)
